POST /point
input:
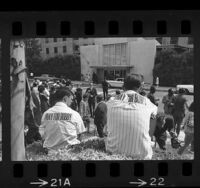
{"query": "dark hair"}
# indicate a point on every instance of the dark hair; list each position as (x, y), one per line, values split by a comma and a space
(160, 117)
(34, 84)
(117, 92)
(181, 91)
(152, 89)
(41, 88)
(170, 91)
(191, 107)
(85, 96)
(99, 98)
(132, 82)
(62, 92)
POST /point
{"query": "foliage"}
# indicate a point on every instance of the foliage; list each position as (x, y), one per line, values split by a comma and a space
(174, 68)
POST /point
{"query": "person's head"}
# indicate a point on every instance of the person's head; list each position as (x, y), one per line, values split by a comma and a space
(132, 82)
(35, 84)
(152, 89)
(99, 98)
(143, 93)
(191, 107)
(117, 92)
(85, 97)
(64, 95)
(170, 92)
(181, 91)
(41, 88)
(91, 85)
(108, 97)
(160, 119)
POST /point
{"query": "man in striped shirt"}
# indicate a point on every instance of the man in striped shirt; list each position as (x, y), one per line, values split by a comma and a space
(128, 121)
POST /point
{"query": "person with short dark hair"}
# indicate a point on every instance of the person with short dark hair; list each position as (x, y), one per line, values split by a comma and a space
(105, 88)
(128, 121)
(151, 95)
(43, 99)
(100, 115)
(163, 123)
(85, 112)
(92, 93)
(189, 130)
(180, 106)
(61, 126)
(168, 101)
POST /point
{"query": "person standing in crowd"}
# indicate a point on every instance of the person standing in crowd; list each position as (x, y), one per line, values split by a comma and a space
(92, 93)
(85, 112)
(117, 94)
(151, 96)
(105, 88)
(61, 126)
(43, 99)
(180, 105)
(128, 121)
(100, 115)
(168, 101)
(189, 130)
(73, 105)
(78, 94)
(52, 99)
(46, 90)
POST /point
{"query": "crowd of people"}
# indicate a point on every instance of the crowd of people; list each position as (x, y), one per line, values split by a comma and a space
(62, 114)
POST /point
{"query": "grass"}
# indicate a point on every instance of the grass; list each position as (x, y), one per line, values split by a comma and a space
(93, 148)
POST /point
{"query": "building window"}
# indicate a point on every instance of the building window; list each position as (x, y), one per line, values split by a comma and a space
(47, 40)
(55, 50)
(174, 40)
(115, 54)
(64, 49)
(47, 50)
(64, 39)
(190, 40)
(54, 39)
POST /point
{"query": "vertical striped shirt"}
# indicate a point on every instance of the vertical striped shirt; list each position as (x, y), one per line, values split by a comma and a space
(128, 125)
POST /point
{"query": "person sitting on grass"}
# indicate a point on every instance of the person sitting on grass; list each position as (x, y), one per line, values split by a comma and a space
(189, 130)
(85, 112)
(163, 124)
(61, 126)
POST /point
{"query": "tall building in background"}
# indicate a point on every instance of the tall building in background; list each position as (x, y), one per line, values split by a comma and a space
(178, 43)
(51, 47)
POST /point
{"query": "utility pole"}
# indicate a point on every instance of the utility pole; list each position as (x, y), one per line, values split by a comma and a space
(18, 94)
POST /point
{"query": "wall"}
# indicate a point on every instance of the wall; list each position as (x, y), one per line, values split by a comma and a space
(89, 56)
(142, 57)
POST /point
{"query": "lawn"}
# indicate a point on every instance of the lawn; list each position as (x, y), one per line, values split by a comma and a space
(93, 148)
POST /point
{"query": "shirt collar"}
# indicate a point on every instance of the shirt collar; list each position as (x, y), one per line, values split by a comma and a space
(61, 104)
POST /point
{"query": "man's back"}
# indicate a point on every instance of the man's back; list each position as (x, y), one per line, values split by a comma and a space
(180, 104)
(128, 125)
(61, 126)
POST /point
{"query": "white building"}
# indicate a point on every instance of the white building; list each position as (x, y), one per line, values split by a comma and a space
(115, 57)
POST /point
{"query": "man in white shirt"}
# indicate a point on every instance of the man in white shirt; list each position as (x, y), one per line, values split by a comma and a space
(128, 121)
(61, 125)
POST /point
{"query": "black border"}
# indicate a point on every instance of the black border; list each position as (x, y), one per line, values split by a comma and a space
(101, 19)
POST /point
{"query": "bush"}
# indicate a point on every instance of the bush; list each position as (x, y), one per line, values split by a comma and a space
(173, 68)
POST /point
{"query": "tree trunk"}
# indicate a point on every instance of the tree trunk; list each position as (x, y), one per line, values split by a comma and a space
(17, 100)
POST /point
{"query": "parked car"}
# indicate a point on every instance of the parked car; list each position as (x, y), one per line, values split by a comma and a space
(117, 83)
(189, 89)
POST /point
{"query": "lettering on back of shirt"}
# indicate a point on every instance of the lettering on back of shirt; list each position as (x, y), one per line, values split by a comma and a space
(58, 117)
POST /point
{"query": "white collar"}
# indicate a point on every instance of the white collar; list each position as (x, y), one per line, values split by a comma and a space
(61, 104)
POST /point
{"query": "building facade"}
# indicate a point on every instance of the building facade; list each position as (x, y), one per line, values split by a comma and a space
(112, 58)
(178, 43)
(51, 47)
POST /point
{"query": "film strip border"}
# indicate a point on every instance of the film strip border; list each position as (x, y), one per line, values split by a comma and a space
(98, 24)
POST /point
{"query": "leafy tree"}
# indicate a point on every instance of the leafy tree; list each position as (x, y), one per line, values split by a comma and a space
(173, 68)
